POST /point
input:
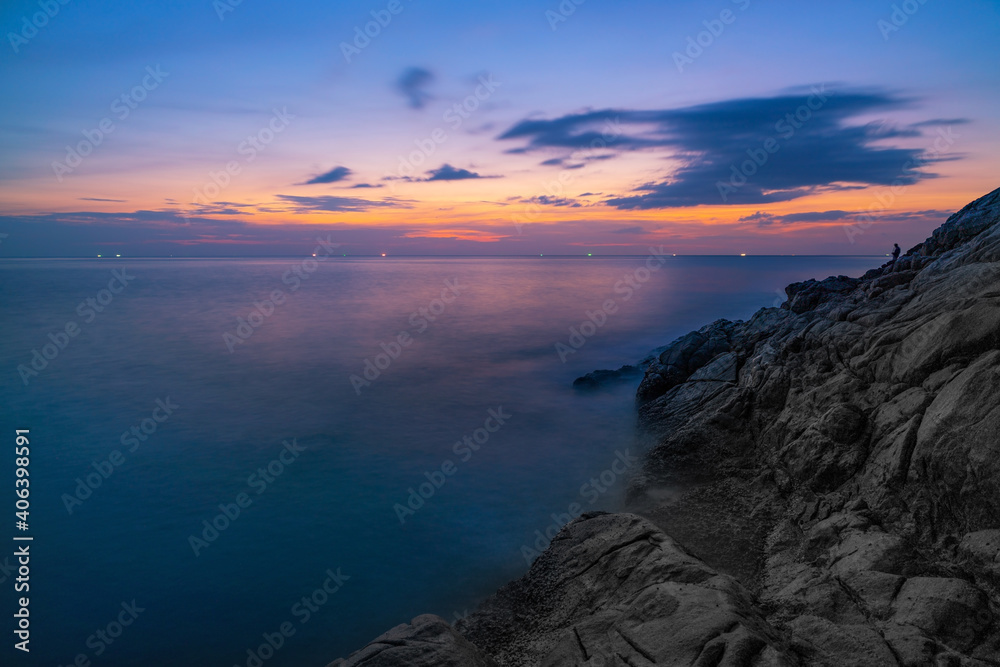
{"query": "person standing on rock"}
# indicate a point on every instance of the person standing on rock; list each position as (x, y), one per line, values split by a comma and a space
(895, 256)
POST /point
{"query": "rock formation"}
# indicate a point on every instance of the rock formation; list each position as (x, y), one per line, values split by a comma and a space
(835, 468)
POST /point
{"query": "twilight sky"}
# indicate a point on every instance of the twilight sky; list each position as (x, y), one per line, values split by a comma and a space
(249, 127)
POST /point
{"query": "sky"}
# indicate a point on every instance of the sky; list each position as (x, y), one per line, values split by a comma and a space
(405, 127)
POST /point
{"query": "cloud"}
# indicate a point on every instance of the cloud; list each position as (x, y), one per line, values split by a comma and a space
(446, 172)
(555, 201)
(339, 204)
(366, 185)
(121, 201)
(763, 219)
(814, 146)
(332, 176)
(412, 83)
(629, 230)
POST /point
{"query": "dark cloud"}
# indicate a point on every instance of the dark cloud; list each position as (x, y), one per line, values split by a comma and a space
(629, 230)
(941, 122)
(366, 185)
(813, 146)
(811, 216)
(332, 176)
(339, 204)
(446, 172)
(412, 83)
(555, 201)
(762, 218)
(576, 131)
(556, 161)
(121, 201)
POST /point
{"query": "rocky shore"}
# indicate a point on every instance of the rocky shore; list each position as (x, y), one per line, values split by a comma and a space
(824, 490)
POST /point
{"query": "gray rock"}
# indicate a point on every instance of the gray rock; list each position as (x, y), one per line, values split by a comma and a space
(427, 641)
(612, 589)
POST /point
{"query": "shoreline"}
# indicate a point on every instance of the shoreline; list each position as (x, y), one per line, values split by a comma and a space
(837, 478)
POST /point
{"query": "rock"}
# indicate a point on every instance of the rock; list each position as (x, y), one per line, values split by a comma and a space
(965, 225)
(614, 589)
(427, 641)
(600, 379)
(983, 545)
(683, 357)
(945, 608)
(866, 418)
(807, 295)
(828, 644)
(876, 590)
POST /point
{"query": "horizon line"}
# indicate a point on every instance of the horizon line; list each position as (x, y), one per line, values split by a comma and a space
(406, 256)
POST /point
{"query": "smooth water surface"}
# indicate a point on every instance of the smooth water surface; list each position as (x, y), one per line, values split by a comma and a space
(363, 447)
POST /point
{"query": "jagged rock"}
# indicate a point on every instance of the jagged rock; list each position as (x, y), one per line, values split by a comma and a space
(427, 641)
(807, 295)
(968, 223)
(865, 430)
(683, 357)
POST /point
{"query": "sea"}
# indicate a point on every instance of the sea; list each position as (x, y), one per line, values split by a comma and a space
(272, 461)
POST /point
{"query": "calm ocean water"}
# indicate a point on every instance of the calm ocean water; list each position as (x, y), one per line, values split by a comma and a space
(333, 501)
